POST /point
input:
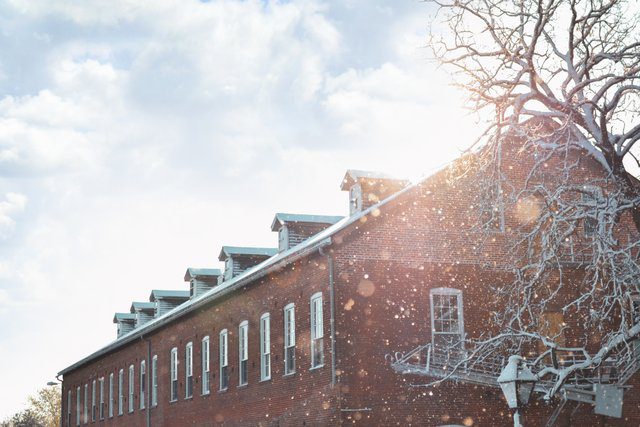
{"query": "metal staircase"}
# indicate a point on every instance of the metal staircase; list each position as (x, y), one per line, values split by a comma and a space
(601, 386)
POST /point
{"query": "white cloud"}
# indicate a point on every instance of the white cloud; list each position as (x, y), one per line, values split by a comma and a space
(13, 204)
(146, 135)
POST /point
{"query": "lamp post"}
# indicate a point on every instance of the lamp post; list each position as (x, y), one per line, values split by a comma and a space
(516, 382)
(56, 383)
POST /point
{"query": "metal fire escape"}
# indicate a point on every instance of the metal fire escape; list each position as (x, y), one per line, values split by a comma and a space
(602, 387)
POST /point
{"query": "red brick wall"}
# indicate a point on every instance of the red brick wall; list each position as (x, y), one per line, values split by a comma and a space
(306, 396)
(384, 268)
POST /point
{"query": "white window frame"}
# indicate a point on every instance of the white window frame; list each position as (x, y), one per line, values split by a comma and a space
(101, 398)
(154, 380)
(121, 391)
(173, 372)
(188, 370)
(265, 347)
(243, 353)
(93, 400)
(78, 406)
(289, 339)
(317, 330)
(86, 403)
(206, 358)
(460, 308)
(132, 385)
(224, 360)
(143, 383)
(111, 395)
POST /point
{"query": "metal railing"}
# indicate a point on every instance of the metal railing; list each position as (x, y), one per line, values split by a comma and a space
(461, 363)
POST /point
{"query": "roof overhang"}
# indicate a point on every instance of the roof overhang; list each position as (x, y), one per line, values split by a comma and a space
(228, 251)
(282, 218)
(123, 317)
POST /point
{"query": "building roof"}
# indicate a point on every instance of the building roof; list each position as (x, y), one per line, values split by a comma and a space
(202, 273)
(272, 264)
(282, 218)
(228, 251)
(123, 317)
(137, 305)
(168, 294)
(354, 175)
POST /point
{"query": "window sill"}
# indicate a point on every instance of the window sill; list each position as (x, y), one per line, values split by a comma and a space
(313, 368)
(245, 385)
(188, 398)
(223, 390)
(290, 374)
(206, 393)
(264, 380)
(173, 400)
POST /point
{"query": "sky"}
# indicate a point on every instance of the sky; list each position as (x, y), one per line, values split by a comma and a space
(137, 138)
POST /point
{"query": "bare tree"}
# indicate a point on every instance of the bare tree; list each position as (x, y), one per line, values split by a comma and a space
(560, 79)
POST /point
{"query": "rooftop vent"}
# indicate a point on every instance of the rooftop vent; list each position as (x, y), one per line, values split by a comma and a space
(166, 301)
(238, 259)
(296, 228)
(144, 312)
(201, 280)
(126, 323)
(366, 188)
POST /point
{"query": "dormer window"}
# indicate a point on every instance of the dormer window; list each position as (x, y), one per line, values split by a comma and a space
(239, 259)
(366, 188)
(293, 229)
(355, 199)
(201, 280)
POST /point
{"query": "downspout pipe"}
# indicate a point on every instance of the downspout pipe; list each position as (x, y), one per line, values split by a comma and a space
(332, 311)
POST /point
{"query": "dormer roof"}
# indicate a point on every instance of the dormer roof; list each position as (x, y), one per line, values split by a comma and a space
(228, 251)
(123, 317)
(281, 218)
(148, 306)
(157, 294)
(204, 274)
(354, 176)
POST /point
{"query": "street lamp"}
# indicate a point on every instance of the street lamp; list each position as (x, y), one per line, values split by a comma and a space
(516, 382)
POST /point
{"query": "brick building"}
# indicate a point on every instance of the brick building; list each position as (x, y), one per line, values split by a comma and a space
(300, 334)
